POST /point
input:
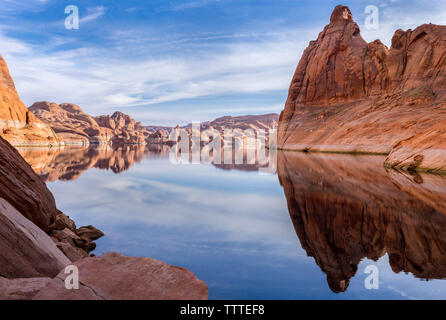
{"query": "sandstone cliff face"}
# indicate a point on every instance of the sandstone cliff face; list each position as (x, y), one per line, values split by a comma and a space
(17, 124)
(25, 191)
(352, 96)
(23, 188)
(346, 208)
(74, 126)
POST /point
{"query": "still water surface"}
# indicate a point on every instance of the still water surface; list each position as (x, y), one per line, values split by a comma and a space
(307, 231)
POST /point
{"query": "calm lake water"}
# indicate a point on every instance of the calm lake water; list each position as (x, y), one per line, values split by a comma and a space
(307, 231)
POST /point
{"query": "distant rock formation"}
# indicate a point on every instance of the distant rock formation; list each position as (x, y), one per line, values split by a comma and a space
(255, 122)
(348, 95)
(125, 129)
(345, 209)
(74, 126)
(17, 124)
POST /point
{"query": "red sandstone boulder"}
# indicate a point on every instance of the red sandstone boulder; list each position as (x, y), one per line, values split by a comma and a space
(117, 277)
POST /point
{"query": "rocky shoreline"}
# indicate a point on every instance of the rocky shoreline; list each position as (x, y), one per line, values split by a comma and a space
(38, 241)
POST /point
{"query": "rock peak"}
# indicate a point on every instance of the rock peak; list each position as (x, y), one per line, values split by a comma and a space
(341, 14)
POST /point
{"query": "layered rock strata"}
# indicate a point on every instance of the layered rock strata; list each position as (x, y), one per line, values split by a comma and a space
(74, 126)
(348, 95)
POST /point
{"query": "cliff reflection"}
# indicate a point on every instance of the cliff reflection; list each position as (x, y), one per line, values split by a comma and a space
(347, 208)
(71, 162)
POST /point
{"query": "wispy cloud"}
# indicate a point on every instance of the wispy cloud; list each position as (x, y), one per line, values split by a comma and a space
(97, 80)
(93, 14)
(193, 4)
(145, 67)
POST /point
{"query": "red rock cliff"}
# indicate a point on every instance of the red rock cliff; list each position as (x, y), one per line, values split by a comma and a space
(17, 124)
(352, 96)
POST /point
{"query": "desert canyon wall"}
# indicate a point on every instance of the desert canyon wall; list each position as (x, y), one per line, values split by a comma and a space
(348, 95)
(18, 125)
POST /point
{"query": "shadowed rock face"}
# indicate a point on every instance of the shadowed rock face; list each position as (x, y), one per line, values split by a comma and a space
(17, 124)
(24, 189)
(352, 96)
(345, 209)
(25, 250)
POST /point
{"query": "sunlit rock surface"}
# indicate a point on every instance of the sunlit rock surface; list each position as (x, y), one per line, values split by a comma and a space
(348, 95)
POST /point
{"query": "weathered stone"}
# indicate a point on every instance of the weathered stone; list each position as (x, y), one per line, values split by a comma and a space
(117, 277)
(25, 250)
(24, 189)
(17, 124)
(348, 95)
(21, 289)
(73, 253)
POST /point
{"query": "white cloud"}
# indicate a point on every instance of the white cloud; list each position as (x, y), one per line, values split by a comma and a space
(93, 14)
(97, 80)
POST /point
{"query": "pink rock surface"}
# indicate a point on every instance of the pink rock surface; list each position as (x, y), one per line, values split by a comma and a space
(117, 277)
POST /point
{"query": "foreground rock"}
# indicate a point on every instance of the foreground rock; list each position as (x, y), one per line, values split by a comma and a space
(74, 126)
(21, 289)
(25, 250)
(113, 277)
(17, 124)
(345, 209)
(23, 188)
(348, 95)
(26, 192)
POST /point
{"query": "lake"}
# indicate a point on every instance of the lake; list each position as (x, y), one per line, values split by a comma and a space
(307, 229)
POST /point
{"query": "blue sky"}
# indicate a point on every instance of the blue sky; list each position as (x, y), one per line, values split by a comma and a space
(168, 62)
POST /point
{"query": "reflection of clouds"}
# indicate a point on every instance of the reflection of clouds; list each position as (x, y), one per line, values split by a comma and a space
(223, 225)
(188, 201)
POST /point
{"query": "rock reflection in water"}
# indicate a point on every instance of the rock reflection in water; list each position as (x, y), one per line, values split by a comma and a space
(347, 208)
(71, 162)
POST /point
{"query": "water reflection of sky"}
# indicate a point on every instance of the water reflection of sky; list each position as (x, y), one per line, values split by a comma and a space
(231, 228)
